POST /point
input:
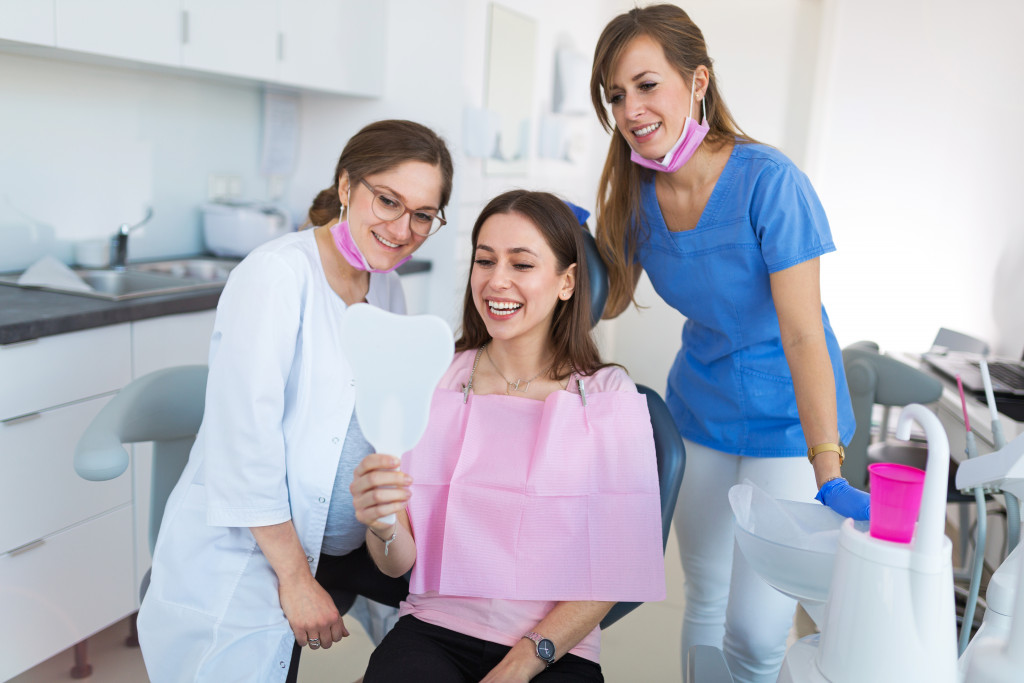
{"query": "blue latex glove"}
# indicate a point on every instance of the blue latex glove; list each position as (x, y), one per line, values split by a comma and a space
(844, 499)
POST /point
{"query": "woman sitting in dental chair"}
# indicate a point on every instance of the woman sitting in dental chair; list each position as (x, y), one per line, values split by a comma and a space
(530, 505)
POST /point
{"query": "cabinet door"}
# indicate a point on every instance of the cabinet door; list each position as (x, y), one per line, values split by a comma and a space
(52, 371)
(27, 21)
(171, 340)
(40, 492)
(333, 45)
(232, 37)
(148, 31)
(65, 589)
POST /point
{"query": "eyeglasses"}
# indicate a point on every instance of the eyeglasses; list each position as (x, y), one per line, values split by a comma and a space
(388, 208)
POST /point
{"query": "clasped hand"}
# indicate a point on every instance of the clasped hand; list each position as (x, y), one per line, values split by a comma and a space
(311, 613)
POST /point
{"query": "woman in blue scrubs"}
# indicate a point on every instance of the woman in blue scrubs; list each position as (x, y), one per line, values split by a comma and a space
(730, 233)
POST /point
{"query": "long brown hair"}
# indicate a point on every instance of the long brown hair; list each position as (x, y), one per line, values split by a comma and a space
(620, 220)
(570, 338)
(380, 147)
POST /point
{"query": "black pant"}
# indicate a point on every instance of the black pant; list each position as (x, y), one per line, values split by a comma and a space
(417, 651)
(347, 577)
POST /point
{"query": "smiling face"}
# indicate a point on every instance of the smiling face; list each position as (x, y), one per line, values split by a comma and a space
(384, 243)
(649, 98)
(515, 280)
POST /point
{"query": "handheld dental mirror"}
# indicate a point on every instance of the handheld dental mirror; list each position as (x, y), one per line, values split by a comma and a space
(397, 361)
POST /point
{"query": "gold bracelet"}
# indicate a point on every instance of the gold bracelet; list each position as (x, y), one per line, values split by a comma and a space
(822, 447)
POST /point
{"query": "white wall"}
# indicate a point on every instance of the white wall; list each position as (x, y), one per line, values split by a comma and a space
(918, 165)
(905, 117)
(84, 148)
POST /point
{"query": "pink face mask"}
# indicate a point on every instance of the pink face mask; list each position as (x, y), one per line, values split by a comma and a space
(693, 134)
(347, 246)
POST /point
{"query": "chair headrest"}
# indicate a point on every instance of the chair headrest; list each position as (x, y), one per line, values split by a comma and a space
(596, 269)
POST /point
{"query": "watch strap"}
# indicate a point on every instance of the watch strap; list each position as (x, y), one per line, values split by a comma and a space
(536, 638)
(829, 446)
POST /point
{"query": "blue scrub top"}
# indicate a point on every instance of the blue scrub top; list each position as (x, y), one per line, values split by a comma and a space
(730, 387)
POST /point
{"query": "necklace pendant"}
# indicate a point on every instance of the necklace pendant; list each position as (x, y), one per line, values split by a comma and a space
(515, 386)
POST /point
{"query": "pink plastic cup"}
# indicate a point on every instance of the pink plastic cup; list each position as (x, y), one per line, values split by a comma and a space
(895, 500)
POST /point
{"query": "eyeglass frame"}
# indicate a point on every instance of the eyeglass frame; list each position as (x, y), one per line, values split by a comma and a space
(405, 210)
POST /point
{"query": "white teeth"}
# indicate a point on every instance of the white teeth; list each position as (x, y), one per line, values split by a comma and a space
(646, 129)
(503, 307)
(385, 242)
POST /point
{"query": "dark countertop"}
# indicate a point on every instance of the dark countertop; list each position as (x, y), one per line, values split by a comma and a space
(29, 314)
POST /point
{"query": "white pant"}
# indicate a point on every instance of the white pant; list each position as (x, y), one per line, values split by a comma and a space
(727, 604)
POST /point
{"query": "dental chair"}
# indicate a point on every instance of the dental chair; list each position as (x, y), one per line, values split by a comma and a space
(877, 379)
(668, 444)
(166, 408)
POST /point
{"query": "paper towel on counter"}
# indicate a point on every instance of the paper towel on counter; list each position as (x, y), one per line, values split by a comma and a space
(49, 272)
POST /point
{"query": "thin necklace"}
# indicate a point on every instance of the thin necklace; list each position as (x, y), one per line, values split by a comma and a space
(512, 386)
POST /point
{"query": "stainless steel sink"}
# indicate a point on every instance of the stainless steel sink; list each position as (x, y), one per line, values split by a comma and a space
(145, 279)
(207, 269)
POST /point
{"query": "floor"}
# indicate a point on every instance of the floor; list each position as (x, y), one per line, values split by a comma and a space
(643, 646)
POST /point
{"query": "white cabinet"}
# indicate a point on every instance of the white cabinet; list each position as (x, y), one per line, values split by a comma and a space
(333, 45)
(171, 340)
(52, 371)
(329, 45)
(73, 584)
(39, 487)
(233, 37)
(72, 552)
(148, 31)
(27, 21)
(66, 544)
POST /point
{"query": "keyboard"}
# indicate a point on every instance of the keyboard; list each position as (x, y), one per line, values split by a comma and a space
(1010, 374)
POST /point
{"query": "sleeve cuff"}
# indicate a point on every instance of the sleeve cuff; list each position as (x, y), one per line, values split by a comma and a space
(247, 516)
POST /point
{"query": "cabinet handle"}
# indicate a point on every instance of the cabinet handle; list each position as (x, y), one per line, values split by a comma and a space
(11, 421)
(26, 547)
(184, 27)
(280, 46)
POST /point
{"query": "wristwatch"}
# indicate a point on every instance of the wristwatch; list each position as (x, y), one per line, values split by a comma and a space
(545, 648)
(822, 447)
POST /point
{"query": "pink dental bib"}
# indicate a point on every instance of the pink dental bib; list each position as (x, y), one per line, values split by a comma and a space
(537, 500)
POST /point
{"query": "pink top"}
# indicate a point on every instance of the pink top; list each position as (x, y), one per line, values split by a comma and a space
(518, 504)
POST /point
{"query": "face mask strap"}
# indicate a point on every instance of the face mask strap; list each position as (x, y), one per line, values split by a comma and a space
(693, 91)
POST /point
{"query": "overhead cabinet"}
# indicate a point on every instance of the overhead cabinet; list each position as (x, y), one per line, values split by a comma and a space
(147, 32)
(325, 45)
(234, 37)
(27, 21)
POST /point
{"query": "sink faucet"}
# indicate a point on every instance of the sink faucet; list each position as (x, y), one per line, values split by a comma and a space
(119, 242)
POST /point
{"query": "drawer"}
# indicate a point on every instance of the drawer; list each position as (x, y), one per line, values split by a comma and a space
(40, 493)
(67, 588)
(171, 340)
(52, 371)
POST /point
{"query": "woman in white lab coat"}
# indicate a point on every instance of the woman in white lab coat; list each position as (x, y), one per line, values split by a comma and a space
(262, 514)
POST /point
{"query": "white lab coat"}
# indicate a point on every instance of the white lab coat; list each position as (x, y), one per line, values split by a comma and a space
(278, 403)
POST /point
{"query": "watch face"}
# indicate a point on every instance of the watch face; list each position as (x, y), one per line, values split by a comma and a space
(546, 649)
